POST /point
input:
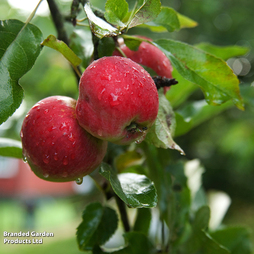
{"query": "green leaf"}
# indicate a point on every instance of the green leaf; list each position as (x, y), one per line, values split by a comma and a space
(132, 42)
(98, 225)
(195, 113)
(186, 22)
(160, 133)
(91, 219)
(236, 239)
(178, 94)
(143, 220)
(115, 11)
(144, 11)
(99, 26)
(225, 52)
(19, 48)
(202, 218)
(82, 45)
(167, 18)
(136, 243)
(135, 190)
(212, 74)
(106, 228)
(201, 242)
(60, 46)
(128, 159)
(106, 46)
(10, 148)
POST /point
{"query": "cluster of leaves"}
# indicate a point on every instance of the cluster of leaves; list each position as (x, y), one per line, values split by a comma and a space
(141, 181)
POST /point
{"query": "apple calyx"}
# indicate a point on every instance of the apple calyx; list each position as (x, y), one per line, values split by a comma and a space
(164, 82)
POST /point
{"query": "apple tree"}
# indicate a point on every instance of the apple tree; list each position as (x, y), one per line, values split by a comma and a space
(132, 90)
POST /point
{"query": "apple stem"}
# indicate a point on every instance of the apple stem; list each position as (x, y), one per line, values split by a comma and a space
(164, 82)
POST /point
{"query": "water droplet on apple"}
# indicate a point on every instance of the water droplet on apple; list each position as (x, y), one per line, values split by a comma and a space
(63, 126)
(100, 94)
(114, 101)
(21, 134)
(55, 157)
(71, 137)
(135, 69)
(79, 180)
(126, 88)
(65, 160)
(64, 174)
(99, 133)
(46, 111)
(46, 159)
(25, 159)
(45, 174)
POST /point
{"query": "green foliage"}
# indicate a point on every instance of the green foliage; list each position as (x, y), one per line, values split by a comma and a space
(225, 52)
(115, 12)
(213, 75)
(161, 132)
(98, 225)
(141, 175)
(135, 190)
(235, 239)
(52, 42)
(10, 148)
(20, 46)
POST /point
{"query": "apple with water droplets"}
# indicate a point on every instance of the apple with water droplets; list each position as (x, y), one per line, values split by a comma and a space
(56, 147)
(150, 56)
(118, 100)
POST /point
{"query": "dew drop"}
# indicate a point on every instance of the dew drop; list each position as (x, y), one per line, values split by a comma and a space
(64, 174)
(135, 69)
(21, 134)
(100, 133)
(79, 180)
(46, 111)
(100, 94)
(46, 159)
(55, 157)
(114, 101)
(46, 175)
(71, 137)
(65, 160)
(25, 159)
(63, 126)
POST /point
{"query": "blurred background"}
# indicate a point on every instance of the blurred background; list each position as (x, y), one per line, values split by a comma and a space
(224, 144)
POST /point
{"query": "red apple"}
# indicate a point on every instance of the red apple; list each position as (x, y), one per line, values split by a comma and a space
(55, 146)
(150, 56)
(118, 100)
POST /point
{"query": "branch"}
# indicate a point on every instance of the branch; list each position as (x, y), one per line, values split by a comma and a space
(58, 20)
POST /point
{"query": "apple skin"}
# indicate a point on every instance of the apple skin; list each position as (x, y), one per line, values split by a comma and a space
(118, 100)
(55, 146)
(150, 56)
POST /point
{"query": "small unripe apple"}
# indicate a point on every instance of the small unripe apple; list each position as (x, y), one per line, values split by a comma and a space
(55, 146)
(118, 100)
(150, 56)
